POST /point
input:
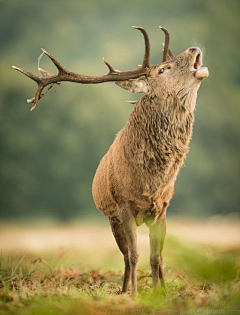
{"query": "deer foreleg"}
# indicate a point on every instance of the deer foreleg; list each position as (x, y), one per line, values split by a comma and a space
(157, 236)
(129, 226)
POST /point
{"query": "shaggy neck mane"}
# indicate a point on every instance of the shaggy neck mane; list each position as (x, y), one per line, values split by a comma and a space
(159, 130)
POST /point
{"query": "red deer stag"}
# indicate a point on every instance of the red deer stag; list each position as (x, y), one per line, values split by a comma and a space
(135, 179)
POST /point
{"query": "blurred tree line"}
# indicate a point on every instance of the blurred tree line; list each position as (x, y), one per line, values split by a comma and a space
(49, 156)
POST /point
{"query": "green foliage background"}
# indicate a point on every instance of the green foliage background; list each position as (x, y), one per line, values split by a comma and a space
(48, 157)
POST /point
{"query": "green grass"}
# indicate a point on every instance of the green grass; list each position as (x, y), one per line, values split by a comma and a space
(199, 279)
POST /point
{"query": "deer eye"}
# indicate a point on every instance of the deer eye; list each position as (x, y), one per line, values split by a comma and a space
(161, 70)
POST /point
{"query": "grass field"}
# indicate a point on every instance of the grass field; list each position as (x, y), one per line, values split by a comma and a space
(48, 268)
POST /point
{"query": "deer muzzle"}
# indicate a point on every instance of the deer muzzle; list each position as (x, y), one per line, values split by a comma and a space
(198, 71)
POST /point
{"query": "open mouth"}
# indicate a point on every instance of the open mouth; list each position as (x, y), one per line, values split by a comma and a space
(197, 70)
(197, 62)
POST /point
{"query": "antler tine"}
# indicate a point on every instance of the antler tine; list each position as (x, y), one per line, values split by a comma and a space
(110, 67)
(57, 63)
(36, 98)
(27, 73)
(146, 59)
(166, 51)
(38, 80)
(66, 75)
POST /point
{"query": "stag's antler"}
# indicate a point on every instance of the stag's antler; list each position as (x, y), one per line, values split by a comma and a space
(167, 53)
(66, 75)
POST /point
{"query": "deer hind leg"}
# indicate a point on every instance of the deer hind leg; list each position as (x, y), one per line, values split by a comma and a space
(129, 226)
(157, 237)
(119, 234)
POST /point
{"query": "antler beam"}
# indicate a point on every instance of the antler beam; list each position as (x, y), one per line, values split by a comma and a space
(66, 75)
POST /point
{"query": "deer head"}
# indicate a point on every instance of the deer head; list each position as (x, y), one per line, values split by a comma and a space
(173, 73)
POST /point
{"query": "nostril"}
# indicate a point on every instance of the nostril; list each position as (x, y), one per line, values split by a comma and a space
(193, 50)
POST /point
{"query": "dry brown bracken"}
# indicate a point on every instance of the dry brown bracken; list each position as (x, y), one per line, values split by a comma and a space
(134, 182)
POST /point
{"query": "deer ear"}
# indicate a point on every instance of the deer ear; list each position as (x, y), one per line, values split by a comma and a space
(134, 86)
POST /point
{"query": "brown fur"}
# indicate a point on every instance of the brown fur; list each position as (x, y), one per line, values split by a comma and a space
(134, 182)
